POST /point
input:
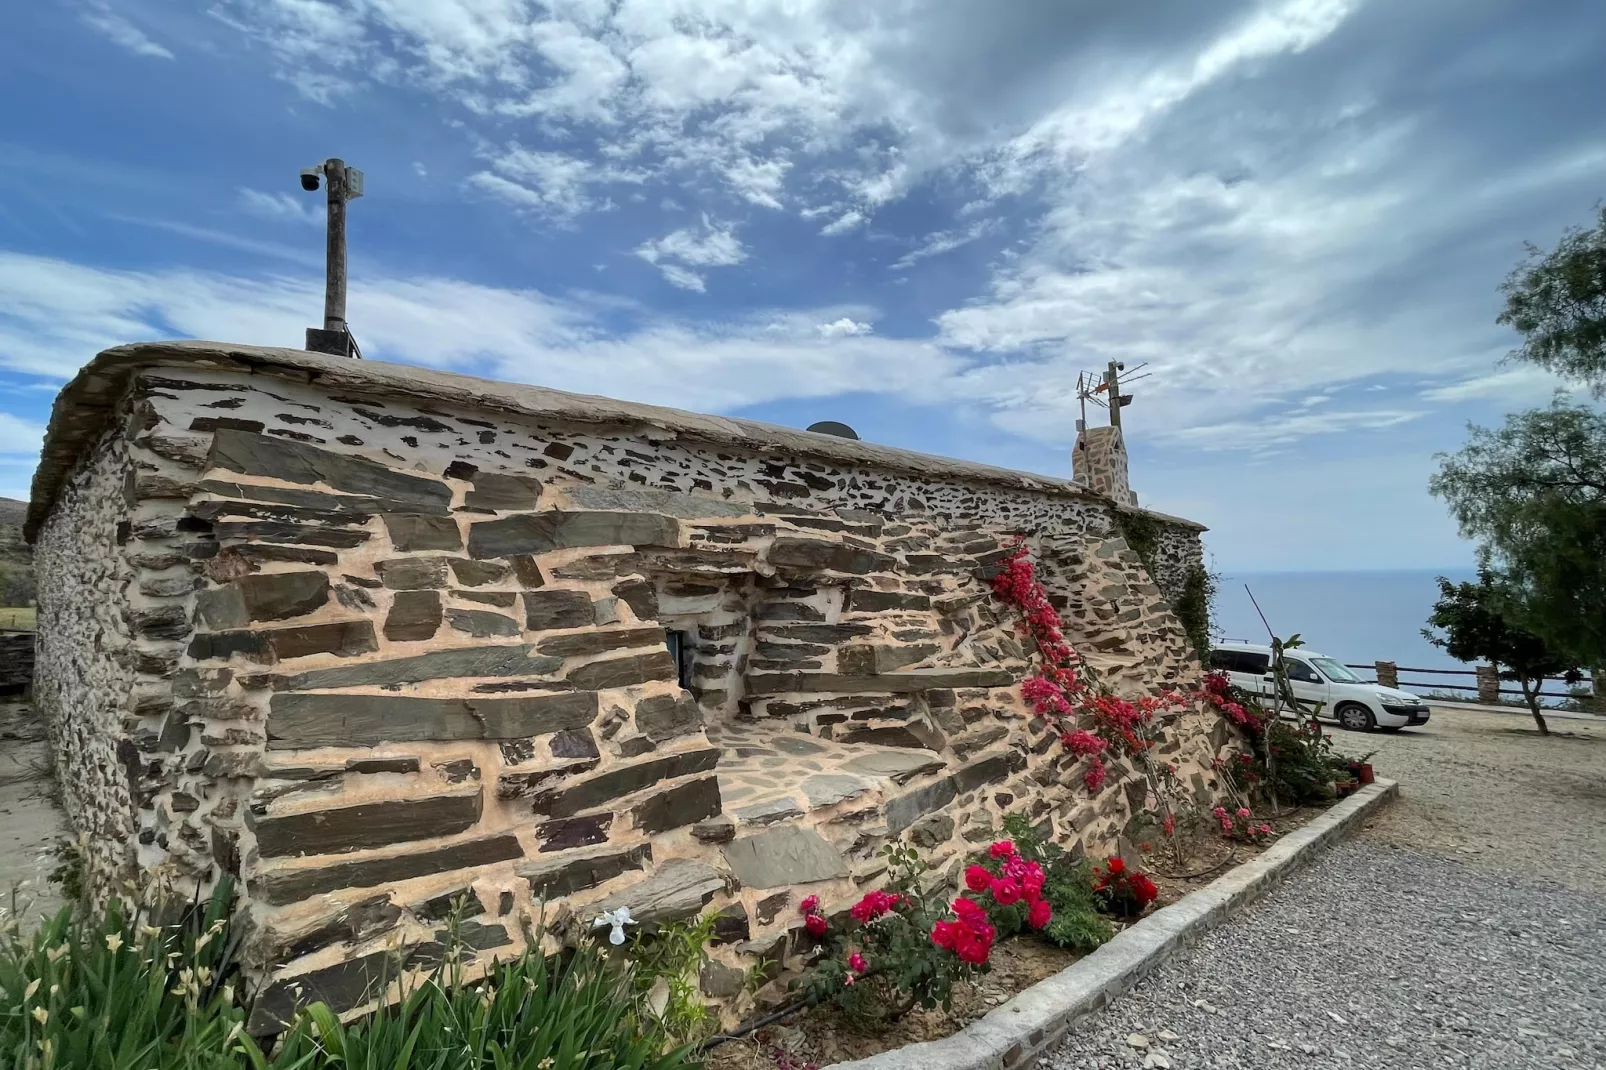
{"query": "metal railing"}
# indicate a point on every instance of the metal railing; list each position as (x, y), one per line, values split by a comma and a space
(1585, 685)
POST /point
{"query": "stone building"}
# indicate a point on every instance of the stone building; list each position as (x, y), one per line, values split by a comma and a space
(375, 641)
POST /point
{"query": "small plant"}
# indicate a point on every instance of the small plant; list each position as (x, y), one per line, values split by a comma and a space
(1122, 892)
(905, 950)
(1076, 924)
(665, 965)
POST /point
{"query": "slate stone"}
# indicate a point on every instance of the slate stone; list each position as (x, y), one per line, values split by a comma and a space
(279, 531)
(457, 770)
(768, 908)
(258, 455)
(536, 533)
(886, 683)
(342, 986)
(213, 509)
(679, 890)
(898, 766)
(783, 856)
(677, 806)
(500, 599)
(622, 780)
(731, 925)
(575, 743)
(641, 596)
(342, 829)
(382, 765)
(278, 888)
(989, 769)
(221, 608)
(281, 595)
(796, 745)
(346, 639)
(605, 611)
(584, 644)
(664, 717)
(576, 872)
(789, 651)
(359, 921)
(790, 611)
(567, 833)
(824, 554)
(257, 553)
(636, 746)
(720, 981)
(478, 935)
(906, 809)
(304, 719)
(933, 830)
(828, 789)
(885, 736)
(817, 633)
(497, 491)
(667, 502)
(413, 616)
(481, 623)
(412, 573)
(549, 610)
(599, 567)
(768, 812)
(717, 829)
(410, 531)
(866, 601)
(352, 505)
(478, 573)
(528, 572)
(437, 665)
(868, 659)
(623, 672)
(161, 622)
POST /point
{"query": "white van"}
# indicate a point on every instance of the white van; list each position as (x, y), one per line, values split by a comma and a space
(1344, 697)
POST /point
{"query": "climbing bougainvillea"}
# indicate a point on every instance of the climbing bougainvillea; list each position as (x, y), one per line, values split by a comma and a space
(1090, 723)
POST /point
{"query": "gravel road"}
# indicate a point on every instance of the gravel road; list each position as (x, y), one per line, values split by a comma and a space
(1464, 927)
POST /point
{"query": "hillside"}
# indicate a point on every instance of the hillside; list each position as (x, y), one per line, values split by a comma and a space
(16, 558)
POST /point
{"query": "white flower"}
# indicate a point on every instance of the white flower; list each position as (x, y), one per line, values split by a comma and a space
(617, 919)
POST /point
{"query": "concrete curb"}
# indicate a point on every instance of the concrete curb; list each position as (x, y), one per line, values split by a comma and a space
(1017, 1033)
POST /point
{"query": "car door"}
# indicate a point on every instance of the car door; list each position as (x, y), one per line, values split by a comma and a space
(1308, 685)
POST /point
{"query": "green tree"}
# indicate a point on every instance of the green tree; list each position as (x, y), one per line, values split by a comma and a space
(1470, 622)
(1557, 302)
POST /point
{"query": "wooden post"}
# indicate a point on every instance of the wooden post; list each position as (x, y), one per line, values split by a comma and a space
(1388, 674)
(334, 292)
(1596, 703)
(1112, 384)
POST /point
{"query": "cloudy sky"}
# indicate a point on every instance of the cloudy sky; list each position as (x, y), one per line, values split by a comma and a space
(921, 218)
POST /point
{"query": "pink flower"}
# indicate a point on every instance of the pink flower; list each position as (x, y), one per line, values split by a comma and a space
(816, 924)
(1006, 891)
(1093, 779)
(1082, 742)
(809, 905)
(1002, 849)
(856, 963)
(849, 979)
(1243, 811)
(1040, 914)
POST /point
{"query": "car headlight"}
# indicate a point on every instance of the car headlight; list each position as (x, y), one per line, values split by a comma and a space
(1392, 700)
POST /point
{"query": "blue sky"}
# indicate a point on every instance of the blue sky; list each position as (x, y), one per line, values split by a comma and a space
(921, 218)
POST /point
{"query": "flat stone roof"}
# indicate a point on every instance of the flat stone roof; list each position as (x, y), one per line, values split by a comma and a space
(86, 404)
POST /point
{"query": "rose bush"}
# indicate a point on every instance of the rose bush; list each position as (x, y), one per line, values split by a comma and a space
(1122, 891)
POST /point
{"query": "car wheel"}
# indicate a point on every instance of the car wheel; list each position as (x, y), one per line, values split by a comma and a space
(1355, 717)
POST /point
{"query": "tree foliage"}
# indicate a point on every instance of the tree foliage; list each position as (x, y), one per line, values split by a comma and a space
(1557, 302)
(1472, 622)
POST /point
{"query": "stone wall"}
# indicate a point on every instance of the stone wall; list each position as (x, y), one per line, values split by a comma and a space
(86, 656)
(389, 652)
(1099, 462)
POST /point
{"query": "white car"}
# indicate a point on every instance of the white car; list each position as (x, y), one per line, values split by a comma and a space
(1344, 697)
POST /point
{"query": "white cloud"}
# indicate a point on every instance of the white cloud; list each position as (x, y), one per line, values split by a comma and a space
(555, 185)
(19, 437)
(842, 224)
(1518, 385)
(945, 241)
(843, 328)
(122, 33)
(676, 253)
(283, 206)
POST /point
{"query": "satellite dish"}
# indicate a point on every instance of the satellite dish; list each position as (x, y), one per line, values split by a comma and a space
(831, 427)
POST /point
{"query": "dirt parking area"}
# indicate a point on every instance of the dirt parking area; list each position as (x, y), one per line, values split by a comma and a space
(30, 820)
(1488, 789)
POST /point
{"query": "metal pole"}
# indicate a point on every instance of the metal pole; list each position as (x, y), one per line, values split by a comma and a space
(334, 294)
(1112, 376)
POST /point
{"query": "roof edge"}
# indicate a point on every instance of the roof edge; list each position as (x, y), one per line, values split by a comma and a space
(84, 407)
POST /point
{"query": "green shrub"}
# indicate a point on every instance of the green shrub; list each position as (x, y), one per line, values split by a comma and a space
(132, 988)
(669, 960)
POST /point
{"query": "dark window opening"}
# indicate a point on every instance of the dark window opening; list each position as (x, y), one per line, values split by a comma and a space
(681, 652)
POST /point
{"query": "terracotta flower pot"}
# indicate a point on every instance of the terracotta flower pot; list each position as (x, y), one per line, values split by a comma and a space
(1365, 773)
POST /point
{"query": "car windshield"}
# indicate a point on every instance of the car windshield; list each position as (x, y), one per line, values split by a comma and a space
(1336, 672)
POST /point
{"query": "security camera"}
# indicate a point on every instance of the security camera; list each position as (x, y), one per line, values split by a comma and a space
(310, 177)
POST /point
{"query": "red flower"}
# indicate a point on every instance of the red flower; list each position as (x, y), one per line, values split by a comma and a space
(816, 924)
(971, 948)
(1082, 742)
(1143, 888)
(942, 934)
(856, 963)
(1093, 779)
(1040, 914)
(1116, 867)
(1002, 849)
(1006, 891)
(872, 906)
(977, 878)
(968, 909)
(1169, 824)
(809, 905)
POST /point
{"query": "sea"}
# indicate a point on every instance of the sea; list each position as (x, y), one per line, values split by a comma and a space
(1356, 617)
